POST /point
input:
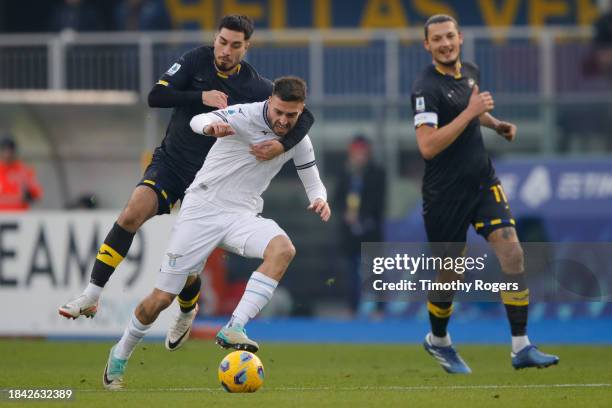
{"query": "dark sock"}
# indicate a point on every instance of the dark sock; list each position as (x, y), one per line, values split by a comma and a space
(439, 315)
(516, 303)
(188, 298)
(111, 253)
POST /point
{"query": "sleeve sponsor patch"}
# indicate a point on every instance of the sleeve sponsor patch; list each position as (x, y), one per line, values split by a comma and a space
(174, 69)
(420, 104)
(426, 118)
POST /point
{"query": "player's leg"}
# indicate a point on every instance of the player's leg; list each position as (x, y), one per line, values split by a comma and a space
(155, 194)
(140, 323)
(193, 238)
(495, 222)
(142, 205)
(179, 331)
(201, 227)
(446, 224)
(255, 238)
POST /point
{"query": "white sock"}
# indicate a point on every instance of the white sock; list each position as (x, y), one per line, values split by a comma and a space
(519, 343)
(257, 294)
(440, 341)
(132, 335)
(93, 291)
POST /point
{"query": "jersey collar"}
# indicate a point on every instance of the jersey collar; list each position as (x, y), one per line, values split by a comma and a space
(225, 76)
(265, 116)
(458, 76)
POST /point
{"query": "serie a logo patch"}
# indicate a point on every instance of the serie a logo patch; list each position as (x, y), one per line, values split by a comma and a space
(420, 104)
(174, 69)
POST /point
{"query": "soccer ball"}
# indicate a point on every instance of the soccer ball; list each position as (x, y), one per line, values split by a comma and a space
(241, 371)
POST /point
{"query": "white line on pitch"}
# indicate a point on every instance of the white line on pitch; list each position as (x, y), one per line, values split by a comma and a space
(369, 388)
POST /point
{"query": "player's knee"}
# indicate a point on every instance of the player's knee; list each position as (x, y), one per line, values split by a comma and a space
(512, 259)
(132, 217)
(161, 299)
(281, 249)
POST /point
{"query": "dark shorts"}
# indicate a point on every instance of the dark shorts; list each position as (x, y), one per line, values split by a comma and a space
(167, 183)
(487, 210)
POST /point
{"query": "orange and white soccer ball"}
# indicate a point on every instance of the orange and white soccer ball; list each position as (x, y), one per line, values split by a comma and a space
(241, 371)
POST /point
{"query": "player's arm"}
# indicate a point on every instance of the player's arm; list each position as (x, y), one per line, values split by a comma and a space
(305, 164)
(505, 129)
(172, 89)
(214, 124)
(271, 148)
(432, 140)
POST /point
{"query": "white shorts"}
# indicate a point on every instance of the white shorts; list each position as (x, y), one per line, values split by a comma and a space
(199, 229)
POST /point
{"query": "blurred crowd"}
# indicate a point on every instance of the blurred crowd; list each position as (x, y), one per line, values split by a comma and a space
(84, 15)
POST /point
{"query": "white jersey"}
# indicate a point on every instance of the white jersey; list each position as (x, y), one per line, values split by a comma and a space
(232, 177)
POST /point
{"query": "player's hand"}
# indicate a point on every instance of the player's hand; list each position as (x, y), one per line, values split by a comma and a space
(216, 99)
(507, 130)
(267, 150)
(321, 207)
(219, 129)
(480, 102)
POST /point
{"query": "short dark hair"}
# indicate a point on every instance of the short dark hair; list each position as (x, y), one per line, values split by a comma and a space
(290, 89)
(437, 19)
(235, 22)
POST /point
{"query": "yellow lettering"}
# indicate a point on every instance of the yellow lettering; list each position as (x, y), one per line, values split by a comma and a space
(201, 12)
(384, 14)
(587, 12)
(255, 11)
(322, 14)
(429, 7)
(278, 14)
(541, 10)
(496, 18)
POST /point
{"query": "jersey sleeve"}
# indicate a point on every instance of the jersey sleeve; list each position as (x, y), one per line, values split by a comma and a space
(306, 166)
(299, 131)
(180, 73)
(425, 107)
(235, 115)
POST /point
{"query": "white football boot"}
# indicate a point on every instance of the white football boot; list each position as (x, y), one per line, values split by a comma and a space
(178, 333)
(81, 306)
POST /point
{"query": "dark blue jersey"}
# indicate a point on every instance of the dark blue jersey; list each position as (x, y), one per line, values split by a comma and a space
(437, 99)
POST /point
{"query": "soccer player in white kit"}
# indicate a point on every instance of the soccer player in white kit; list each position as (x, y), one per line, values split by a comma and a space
(221, 208)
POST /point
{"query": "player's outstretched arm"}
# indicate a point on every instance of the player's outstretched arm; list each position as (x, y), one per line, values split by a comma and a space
(211, 124)
(299, 131)
(505, 129)
(432, 141)
(305, 164)
(321, 207)
(271, 148)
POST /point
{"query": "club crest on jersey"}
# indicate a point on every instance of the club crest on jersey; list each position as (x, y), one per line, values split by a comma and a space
(471, 83)
(174, 69)
(172, 259)
(420, 104)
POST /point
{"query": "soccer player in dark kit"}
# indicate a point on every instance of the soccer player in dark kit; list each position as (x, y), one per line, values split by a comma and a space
(460, 188)
(202, 80)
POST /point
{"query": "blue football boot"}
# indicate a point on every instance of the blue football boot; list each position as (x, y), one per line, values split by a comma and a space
(448, 358)
(530, 356)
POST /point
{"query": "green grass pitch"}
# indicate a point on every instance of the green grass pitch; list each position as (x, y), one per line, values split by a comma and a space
(309, 375)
